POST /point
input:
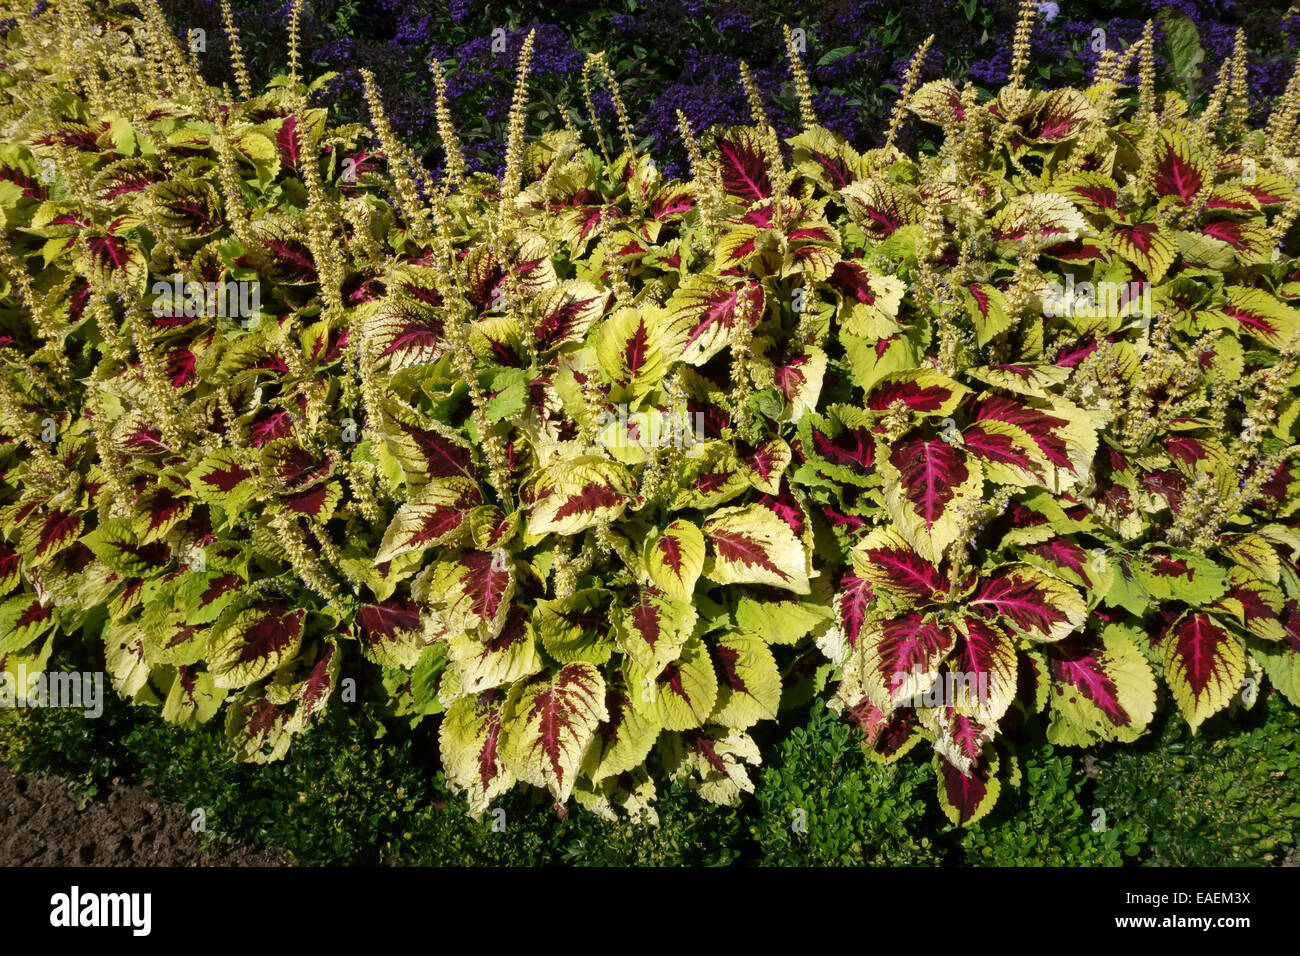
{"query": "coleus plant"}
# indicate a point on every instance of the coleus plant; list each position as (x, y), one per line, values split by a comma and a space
(451, 442)
(1057, 505)
(598, 466)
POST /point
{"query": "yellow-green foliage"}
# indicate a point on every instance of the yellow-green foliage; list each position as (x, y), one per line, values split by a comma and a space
(604, 469)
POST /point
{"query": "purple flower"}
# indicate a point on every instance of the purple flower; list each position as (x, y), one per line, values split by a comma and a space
(993, 70)
(460, 10)
(734, 20)
(836, 112)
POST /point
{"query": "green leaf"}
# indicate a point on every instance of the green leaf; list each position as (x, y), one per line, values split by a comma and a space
(509, 394)
(751, 545)
(653, 630)
(435, 516)
(571, 495)
(577, 627)
(469, 742)
(114, 543)
(837, 53)
(685, 692)
(1109, 695)
(1185, 51)
(193, 699)
(1171, 574)
(781, 622)
(675, 559)
(550, 722)
(252, 643)
(626, 741)
(749, 688)
(1204, 666)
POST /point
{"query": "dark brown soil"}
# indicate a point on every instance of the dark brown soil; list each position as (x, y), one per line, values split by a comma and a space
(40, 825)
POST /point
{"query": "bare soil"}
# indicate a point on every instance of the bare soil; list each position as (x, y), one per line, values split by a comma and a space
(40, 825)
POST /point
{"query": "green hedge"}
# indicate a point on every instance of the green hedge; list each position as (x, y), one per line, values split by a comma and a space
(425, 472)
(1230, 795)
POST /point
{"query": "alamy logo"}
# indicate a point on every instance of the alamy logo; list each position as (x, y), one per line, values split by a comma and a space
(917, 688)
(1100, 300)
(74, 909)
(82, 690)
(649, 430)
(192, 300)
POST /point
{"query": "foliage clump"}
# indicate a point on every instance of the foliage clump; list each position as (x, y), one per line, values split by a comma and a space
(606, 469)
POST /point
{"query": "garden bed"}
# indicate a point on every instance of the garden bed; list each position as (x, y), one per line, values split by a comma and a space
(44, 823)
(937, 502)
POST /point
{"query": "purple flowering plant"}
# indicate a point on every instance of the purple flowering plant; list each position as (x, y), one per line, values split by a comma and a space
(672, 55)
